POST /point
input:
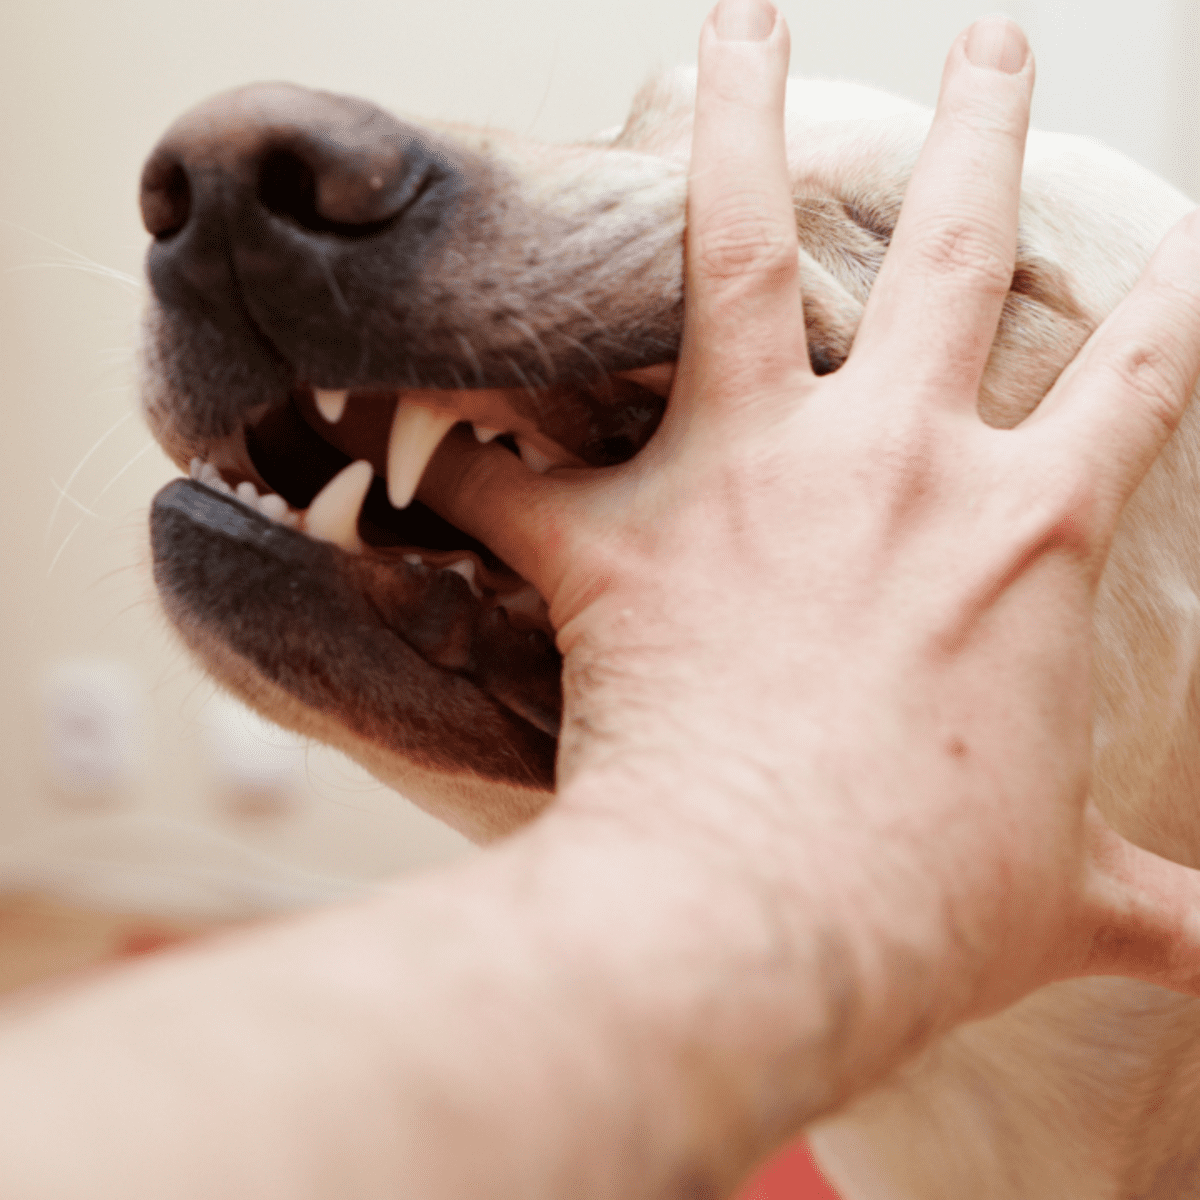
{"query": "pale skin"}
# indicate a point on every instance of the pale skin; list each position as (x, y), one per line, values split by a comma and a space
(824, 768)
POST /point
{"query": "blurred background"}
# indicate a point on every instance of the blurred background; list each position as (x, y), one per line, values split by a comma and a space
(136, 804)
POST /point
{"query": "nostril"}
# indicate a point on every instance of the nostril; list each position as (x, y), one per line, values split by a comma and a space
(287, 186)
(337, 193)
(166, 198)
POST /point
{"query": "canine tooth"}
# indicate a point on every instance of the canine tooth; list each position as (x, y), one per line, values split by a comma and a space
(333, 514)
(416, 434)
(273, 506)
(413, 560)
(195, 467)
(331, 403)
(247, 493)
(466, 568)
(533, 458)
(485, 434)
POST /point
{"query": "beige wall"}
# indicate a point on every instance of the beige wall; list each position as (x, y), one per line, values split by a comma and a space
(86, 87)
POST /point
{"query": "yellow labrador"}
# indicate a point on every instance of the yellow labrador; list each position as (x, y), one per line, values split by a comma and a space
(335, 288)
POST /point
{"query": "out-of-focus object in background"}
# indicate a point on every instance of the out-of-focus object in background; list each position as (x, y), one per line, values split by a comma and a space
(94, 730)
(257, 765)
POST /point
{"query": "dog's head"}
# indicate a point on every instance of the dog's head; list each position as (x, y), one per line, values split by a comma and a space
(334, 285)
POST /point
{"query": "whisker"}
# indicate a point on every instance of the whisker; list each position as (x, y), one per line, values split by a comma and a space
(150, 445)
(578, 345)
(63, 494)
(587, 312)
(334, 290)
(554, 57)
(530, 335)
(469, 353)
(101, 272)
(76, 261)
(66, 542)
(66, 487)
(41, 237)
(525, 382)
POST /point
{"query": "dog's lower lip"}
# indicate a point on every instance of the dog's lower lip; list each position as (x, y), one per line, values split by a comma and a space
(216, 555)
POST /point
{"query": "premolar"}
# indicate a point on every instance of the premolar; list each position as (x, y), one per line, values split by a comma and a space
(466, 568)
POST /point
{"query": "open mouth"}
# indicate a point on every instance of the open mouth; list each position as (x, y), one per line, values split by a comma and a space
(342, 468)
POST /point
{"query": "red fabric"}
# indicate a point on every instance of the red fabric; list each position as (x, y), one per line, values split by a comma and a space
(790, 1175)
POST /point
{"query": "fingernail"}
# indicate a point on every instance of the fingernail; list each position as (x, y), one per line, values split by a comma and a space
(744, 20)
(998, 43)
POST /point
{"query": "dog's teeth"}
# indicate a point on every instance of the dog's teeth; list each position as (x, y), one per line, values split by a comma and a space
(211, 477)
(485, 434)
(414, 560)
(333, 514)
(195, 468)
(331, 404)
(527, 602)
(273, 507)
(466, 568)
(533, 458)
(416, 434)
(247, 493)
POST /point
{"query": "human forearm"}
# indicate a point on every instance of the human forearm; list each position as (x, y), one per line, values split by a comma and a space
(585, 1011)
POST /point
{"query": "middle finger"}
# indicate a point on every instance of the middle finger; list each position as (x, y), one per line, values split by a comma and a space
(933, 311)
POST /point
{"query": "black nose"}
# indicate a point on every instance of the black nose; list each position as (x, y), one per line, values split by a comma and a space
(330, 162)
(276, 213)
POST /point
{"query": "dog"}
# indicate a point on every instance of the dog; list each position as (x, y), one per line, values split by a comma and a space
(335, 287)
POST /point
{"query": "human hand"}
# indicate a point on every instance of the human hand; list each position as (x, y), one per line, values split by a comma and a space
(835, 633)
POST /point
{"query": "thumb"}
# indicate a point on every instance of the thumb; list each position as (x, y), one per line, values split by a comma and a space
(490, 494)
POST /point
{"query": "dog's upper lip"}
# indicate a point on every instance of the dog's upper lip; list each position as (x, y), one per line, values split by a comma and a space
(300, 447)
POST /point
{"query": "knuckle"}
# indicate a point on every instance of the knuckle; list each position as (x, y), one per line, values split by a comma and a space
(1154, 377)
(740, 239)
(961, 250)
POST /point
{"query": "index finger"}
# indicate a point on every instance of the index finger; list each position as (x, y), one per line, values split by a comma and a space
(742, 277)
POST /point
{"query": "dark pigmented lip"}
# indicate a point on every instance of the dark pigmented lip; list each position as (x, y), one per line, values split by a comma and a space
(363, 638)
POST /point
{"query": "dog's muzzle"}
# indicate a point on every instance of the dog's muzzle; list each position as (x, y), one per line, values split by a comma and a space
(329, 302)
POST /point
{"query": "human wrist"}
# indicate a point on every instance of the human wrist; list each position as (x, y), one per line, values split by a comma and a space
(805, 962)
